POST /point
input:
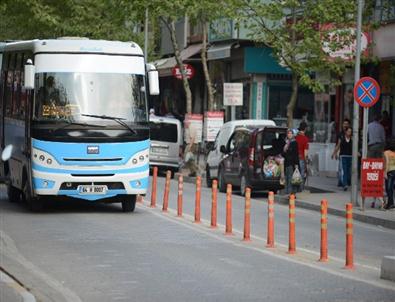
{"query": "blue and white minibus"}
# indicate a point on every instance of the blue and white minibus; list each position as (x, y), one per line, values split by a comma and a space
(75, 112)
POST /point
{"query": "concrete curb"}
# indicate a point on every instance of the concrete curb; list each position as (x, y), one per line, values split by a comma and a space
(13, 291)
(282, 199)
(388, 268)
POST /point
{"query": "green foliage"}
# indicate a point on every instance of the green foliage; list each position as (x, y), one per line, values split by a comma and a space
(295, 30)
(96, 19)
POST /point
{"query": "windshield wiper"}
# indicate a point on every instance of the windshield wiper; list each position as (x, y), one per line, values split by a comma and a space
(69, 123)
(119, 120)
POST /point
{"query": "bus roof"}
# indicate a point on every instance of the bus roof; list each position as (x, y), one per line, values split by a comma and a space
(74, 45)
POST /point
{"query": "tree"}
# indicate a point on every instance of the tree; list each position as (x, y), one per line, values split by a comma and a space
(96, 19)
(203, 12)
(296, 31)
(169, 12)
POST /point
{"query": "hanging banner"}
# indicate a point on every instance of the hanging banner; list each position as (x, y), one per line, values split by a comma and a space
(193, 128)
(213, 121)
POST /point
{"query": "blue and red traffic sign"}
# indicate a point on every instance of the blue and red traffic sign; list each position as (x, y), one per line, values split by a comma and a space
(367, 92)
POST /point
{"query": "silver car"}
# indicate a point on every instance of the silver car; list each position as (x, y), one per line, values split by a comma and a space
(166, 143)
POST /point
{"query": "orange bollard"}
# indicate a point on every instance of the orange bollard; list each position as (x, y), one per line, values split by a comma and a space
(214, 204)
(153, 191)
(179, 199)
(197, 199)
(292, 241)
(167, 191)
(349, 239)
(270, 221)
(247, 214)
(228, 230)
(324, 231)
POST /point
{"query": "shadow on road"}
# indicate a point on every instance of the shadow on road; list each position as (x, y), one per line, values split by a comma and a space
(65, 205)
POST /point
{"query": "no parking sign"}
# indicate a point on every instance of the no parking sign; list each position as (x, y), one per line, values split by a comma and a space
(367, 92)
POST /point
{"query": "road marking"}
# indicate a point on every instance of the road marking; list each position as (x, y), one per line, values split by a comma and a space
(280, 252)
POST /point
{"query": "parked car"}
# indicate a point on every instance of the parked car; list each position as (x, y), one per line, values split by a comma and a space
(166, 143)
(215, 155)
(252, 158)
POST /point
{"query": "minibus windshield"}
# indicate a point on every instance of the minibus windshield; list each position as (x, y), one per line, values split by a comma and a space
(78, 97)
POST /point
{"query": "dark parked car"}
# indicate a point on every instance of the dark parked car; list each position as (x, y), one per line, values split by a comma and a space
(253, 159)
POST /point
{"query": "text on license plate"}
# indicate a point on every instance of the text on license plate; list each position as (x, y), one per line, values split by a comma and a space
(159, 150)
(92, 189)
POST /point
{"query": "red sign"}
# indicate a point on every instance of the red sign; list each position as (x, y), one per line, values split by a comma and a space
(367, 92)
(372, 177)
(340, 36)
(188, 70)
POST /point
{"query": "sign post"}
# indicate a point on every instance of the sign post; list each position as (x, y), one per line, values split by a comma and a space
(366, 94)
(355, 124)
(233, 96)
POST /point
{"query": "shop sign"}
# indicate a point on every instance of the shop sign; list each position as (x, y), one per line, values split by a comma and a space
(193, 128)
(341, 37)
(213, 121)
(188, 70)
(233, 94)
(372, 177)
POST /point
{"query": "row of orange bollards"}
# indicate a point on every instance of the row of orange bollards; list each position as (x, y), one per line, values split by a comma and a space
(247, 212)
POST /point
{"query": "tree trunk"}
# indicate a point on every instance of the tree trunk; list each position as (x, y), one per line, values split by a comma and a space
(180, 64)
(210, 90)
(292, 100)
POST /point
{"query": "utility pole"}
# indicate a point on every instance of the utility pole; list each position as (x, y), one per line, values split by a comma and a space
(146, 36)
(354, 175)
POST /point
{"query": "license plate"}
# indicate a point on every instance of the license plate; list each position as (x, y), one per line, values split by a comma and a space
(92, 189)
(159, 150)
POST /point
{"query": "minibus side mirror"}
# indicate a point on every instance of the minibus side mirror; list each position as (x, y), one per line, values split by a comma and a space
(153, 79)
(29, 75)
(7, 152)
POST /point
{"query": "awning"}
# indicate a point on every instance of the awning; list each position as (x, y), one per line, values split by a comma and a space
(219, 51)
(165, 66)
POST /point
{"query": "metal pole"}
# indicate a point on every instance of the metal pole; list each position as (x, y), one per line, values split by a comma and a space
(365, 132)
(146, 36)
(232, 113)
(354, 175)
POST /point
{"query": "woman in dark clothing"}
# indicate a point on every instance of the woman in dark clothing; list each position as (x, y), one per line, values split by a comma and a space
(291, 161)
(345, 147)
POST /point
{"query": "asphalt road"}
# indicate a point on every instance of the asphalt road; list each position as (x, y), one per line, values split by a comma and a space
(79, 251)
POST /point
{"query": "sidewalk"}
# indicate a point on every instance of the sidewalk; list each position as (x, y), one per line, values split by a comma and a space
(319, 188)
(324, 187)
(11, 291)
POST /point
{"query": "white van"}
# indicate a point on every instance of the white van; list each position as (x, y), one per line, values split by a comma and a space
(215, 155)
(166, 142)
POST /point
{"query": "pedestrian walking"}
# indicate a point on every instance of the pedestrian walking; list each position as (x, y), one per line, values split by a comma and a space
(345, 125)
(344, 147)
(389, 174)
(291, 161)
(376, 138)
(303, 148)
